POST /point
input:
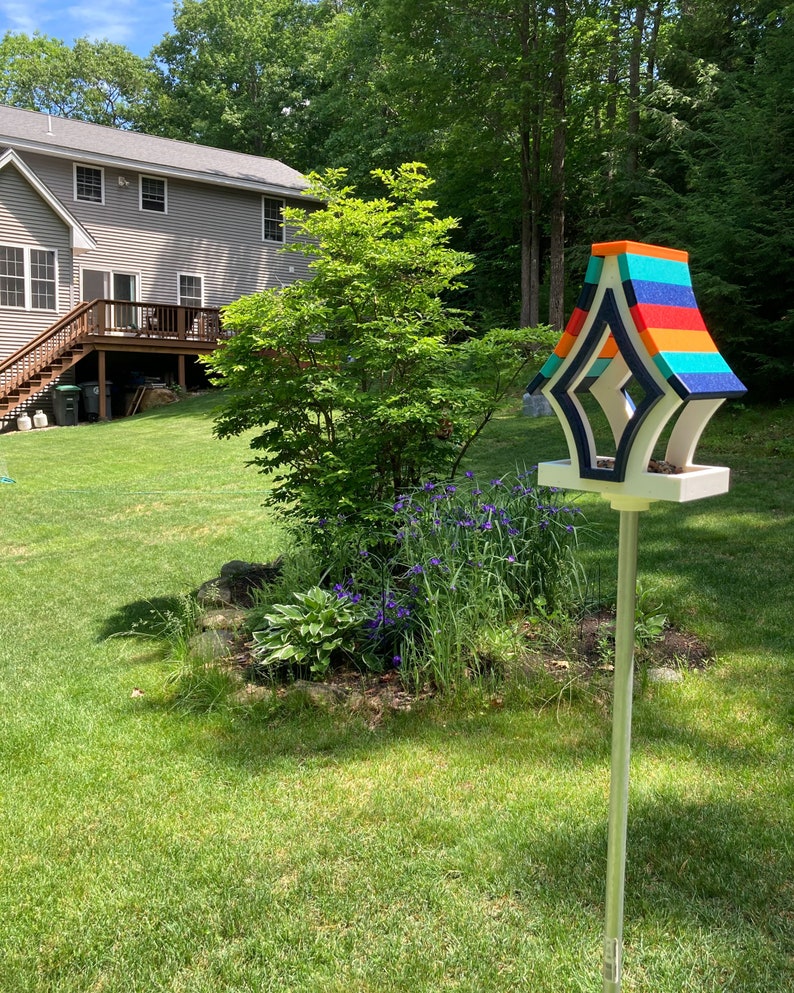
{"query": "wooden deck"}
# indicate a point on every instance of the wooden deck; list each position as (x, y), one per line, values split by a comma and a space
(107, 326)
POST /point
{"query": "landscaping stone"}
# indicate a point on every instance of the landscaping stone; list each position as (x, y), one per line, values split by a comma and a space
(319, 694)
(662, 674)
(253, 693)
(230, 619)
(237, 582)
(212, 644)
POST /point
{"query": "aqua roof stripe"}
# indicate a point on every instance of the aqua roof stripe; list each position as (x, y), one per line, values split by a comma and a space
(653, 270)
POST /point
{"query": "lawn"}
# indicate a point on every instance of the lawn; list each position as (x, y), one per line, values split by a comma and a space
(148, 848)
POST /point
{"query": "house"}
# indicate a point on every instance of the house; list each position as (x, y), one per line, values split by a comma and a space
(117, 250)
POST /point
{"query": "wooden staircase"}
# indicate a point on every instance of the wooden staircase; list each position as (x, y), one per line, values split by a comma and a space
(32, 368)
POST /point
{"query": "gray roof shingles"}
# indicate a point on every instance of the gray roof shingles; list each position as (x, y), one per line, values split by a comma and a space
(34, 131)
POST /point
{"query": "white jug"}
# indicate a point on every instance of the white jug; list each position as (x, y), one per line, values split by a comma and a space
(40, 419)
(24, 423)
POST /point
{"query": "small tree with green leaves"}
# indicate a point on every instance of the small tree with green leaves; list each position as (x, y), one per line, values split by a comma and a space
(363, 380)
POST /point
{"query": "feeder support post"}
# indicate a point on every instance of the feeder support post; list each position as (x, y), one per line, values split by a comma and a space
(630, 509)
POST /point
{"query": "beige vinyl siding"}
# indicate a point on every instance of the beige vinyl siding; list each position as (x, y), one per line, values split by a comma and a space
(26, 220)
(212, 231)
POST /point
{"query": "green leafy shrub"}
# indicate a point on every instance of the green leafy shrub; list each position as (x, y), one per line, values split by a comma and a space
(364, 380)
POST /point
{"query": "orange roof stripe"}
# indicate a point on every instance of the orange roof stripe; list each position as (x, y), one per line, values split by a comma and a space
(605, 248)
(664, 340)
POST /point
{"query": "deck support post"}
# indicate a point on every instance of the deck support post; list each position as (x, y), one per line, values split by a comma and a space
(103, 406)
(180, 372)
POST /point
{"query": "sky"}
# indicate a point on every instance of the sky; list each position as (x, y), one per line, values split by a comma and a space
(137, 24)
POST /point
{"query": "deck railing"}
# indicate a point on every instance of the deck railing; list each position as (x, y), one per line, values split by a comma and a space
(155, 320)
(168, 322)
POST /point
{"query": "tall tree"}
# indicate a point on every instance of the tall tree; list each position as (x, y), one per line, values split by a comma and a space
(93, 81)
(239, 74)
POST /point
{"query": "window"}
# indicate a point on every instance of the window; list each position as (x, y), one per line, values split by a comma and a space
(12, 277)
(153, 194)
(272, 219)
(191, 290)
(28, 278)
(88, 184)
(42, 279)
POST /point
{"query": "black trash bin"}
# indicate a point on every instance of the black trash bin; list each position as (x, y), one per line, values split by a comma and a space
(91, 399)
(66, 404)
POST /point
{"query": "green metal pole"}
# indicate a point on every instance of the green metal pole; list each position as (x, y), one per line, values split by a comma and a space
(621, 746)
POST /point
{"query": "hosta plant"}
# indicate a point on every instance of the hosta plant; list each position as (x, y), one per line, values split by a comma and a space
(307, 632)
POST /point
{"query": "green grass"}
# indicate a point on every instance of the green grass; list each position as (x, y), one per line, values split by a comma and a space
(460, 847)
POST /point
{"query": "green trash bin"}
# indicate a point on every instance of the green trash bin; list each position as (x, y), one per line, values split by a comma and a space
(66, 405)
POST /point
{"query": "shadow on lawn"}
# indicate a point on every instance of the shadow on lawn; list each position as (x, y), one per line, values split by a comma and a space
(715, 867)
(142, 617)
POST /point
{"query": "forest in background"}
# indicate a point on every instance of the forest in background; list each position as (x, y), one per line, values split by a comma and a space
(546, 127)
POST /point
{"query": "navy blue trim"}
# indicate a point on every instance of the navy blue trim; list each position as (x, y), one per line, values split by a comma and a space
(538, 381)
(587, 296)
(608, 316)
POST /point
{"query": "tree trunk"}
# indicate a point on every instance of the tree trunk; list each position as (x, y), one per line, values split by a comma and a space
(557, 267)
(635, 61)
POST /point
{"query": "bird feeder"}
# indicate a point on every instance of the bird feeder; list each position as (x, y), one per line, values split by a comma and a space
(634, 380)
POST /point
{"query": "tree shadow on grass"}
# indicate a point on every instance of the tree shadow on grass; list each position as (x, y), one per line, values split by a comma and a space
(143, 617)
(712, 874)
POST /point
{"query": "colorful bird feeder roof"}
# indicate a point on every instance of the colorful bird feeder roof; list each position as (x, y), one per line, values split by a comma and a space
(637, 342)
(658, 291)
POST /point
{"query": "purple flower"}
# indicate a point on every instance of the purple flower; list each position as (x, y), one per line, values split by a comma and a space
(543, 525)
(511, 558)
(364, 553)
(469, 474)
(476, 492)
(428, 487)
(435, 561)
(416, 569)
(452, 489)
(396, 660)
(569, 528)
(496, 482)
(486, 526)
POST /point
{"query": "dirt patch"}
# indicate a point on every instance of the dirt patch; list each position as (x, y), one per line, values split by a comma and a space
(591, 648)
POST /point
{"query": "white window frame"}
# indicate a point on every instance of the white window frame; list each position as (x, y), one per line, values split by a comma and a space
(188, 275)
(282, 228)
(28, 279)
(156, 179)
(101, 171)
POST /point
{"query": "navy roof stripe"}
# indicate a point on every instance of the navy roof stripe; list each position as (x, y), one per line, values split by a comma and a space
(664, 294)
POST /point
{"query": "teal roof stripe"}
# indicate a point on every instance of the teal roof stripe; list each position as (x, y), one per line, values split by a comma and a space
(550, 366)
(681, 363)
(651, 269)
(598, 367)
(594, 269)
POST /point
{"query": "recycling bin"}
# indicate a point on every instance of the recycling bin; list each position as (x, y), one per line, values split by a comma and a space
(66, 403)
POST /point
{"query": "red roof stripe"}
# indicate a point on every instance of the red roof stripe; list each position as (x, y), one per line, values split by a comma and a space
(577, 319)
(648, 315)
